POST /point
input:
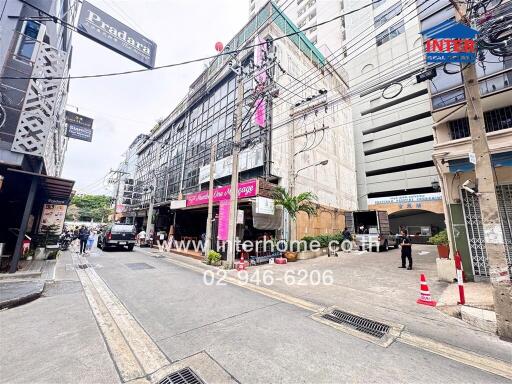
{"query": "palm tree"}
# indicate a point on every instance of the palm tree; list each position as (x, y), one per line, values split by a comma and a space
(303, 202)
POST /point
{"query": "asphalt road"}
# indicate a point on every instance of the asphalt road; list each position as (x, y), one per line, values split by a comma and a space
(252, 337)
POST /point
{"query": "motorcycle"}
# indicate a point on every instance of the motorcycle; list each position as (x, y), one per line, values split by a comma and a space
(64, 241)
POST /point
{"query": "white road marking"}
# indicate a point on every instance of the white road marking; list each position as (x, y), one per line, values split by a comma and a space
(423, 253)
(134, 353)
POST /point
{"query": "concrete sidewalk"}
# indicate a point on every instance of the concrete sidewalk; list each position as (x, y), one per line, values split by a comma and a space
(371, 284)
(18, 292)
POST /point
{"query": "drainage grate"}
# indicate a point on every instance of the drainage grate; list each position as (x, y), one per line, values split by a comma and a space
(183, 376)
(361, 324)
(83, 266)
(138, 266)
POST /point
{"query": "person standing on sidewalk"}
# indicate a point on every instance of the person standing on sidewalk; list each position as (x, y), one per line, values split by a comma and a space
(90, 240)
(406, 248)
(83, 235)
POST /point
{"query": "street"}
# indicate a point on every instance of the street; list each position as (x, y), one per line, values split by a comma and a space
(166, 313)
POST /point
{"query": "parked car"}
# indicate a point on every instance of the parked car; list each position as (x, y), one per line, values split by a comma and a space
(376, 233)
(117, 235)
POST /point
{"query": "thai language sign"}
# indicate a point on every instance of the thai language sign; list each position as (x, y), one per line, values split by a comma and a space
(245, 189)
(78, 127)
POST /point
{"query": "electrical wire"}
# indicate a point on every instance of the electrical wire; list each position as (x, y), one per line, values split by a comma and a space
(226, 53)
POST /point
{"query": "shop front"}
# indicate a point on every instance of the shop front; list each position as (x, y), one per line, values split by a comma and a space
(257, 218)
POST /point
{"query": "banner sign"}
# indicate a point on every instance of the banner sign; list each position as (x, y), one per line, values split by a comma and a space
(249, 159)
(52, 218)
(245, 189)
(223, 231)
(111, 33)
(405, 198)
(450, 42)
(78, 127)
(264, 205)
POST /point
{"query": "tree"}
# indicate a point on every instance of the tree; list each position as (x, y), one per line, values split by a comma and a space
(72, 213)
(303, 202)
(92, 207)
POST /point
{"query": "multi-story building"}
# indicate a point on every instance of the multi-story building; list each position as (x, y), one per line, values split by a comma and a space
(306, 128)
(32, 126)
(124, 180)
(391, 114)
(453, 147)
(329, 38)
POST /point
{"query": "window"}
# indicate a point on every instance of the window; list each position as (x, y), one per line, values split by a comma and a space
(390, 33)
(377, 3)
(31, 32)
(387, 15)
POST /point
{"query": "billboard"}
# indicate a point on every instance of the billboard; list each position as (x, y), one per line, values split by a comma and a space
(78, 127)
(111, 33)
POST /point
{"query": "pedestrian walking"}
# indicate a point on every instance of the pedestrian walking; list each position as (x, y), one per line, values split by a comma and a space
(406, 249)
(83, 235)
(90, 240)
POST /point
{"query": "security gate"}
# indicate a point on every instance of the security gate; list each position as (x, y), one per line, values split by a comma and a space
(475, 230)
(474, 227)
(504, 194)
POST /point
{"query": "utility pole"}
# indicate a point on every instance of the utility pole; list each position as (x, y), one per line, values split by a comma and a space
(149, 225)
(208, 244)
(291, 172)
(118, 186)
(486, 184)
(233, 200)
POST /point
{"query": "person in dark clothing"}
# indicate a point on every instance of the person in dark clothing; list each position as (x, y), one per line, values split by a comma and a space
(405, 242)
(346, 235)
(83, 234)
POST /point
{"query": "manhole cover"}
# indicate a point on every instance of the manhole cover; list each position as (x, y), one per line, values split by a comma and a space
(183, 376)
(138, 266)
(370, 327)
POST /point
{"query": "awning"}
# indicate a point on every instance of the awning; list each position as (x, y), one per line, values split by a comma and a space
(54, 189)
(503, 159)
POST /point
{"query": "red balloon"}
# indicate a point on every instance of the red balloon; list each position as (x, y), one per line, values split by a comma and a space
(219, 46)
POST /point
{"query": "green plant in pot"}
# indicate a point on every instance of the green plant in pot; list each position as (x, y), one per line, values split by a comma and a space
(303, 202)
(441, 240)
(213, 257)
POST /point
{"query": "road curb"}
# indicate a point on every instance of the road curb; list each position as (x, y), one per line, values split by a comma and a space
(25, 297)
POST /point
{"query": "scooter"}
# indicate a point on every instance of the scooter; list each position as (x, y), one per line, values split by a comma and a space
(64, 241)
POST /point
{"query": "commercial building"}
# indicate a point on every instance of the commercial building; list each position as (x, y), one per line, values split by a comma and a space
(32, 135)
(305, 138)
(329, 38)
(453, 149)
(391, 115)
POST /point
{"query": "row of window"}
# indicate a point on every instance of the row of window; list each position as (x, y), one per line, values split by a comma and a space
(495, 120)
(390, 33)
(387, 15)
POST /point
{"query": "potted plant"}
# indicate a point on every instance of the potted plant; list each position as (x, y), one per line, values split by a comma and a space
(303, 202)
(214, 257)
(441, 240)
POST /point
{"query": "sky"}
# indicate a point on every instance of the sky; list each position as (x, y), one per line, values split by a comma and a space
(124, 106)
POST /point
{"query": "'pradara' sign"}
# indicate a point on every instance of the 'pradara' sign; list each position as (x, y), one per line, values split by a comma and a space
(111, 33)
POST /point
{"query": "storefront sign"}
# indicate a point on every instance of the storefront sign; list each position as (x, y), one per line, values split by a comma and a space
(264, 205)
(450, 42)
(52, 218)
(245, 189)
(405, 198)
(78, 127)
(249, 159)
(177, 204)
(111, 33)
(223, 220)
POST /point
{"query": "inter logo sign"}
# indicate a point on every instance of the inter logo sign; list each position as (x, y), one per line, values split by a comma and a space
(450, 42)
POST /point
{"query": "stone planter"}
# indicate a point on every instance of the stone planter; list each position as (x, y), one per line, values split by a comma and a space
(305, 255)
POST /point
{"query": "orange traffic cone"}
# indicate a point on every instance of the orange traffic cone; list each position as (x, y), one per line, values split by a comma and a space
(425, 297)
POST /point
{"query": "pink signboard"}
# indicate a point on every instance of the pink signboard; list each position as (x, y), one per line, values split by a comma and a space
(223, 220)
(245, 189)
